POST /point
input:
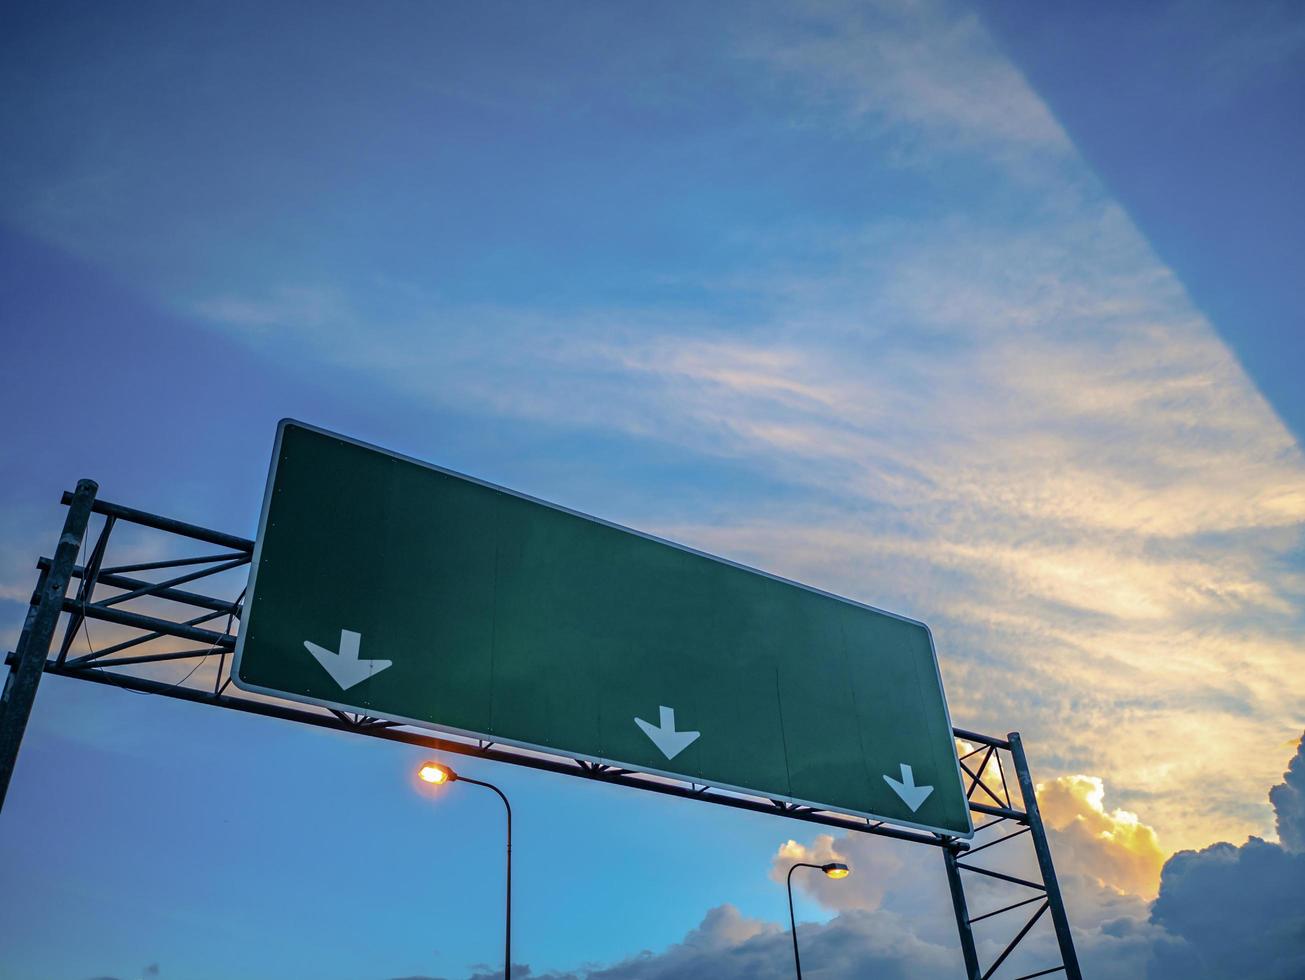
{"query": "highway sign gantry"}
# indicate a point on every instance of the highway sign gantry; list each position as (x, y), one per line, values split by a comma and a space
(397, 589)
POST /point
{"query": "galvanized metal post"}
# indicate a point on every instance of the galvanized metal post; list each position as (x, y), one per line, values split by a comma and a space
(38, 632)
(962, 910)
(1059, 918)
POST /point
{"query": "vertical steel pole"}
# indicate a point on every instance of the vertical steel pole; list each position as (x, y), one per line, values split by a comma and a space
(1059, 919)
(38, 631)
(962, 910)
(507, 931)
(507, 926)
(792, 920)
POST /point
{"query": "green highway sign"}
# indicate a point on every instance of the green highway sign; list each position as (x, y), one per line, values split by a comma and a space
(390, 587)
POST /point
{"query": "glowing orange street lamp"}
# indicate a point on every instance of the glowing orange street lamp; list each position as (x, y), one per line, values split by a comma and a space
(437, 774)
(433, 772)
(831, 870)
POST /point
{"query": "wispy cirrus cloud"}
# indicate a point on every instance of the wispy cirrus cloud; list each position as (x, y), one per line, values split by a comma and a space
(843, 250)
(1075, 482)
(929, 72)
(1016, 428)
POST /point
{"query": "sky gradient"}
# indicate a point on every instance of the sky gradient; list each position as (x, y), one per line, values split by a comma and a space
(986, 318)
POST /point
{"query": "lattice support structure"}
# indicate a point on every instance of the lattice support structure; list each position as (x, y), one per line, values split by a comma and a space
(1004, 822)
(163, 622)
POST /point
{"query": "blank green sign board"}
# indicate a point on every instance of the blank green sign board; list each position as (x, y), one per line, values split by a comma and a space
(404, 591)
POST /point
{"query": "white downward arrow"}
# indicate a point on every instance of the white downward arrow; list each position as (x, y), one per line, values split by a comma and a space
(344, 667)
(911, 794)
(666, 738)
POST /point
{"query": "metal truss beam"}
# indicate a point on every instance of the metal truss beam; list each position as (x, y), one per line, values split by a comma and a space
(994, 804)
(996, 754)
(38, 631)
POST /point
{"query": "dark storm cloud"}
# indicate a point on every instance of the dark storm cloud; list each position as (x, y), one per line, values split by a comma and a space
(1238, 911)
(1288, 799)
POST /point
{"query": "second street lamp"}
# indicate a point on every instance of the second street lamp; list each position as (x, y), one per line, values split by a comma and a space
(831, 870)
(437, 773)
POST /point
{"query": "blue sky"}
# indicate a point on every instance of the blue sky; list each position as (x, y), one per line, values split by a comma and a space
(987, 317)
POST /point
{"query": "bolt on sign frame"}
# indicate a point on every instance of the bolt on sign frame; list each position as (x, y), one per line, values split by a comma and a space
(163, 627)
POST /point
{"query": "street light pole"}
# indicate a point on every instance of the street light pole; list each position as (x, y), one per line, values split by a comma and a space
(437, 772)
(832, 870)
(507, 933)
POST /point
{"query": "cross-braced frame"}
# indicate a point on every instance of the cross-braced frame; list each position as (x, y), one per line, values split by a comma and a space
(172, 623)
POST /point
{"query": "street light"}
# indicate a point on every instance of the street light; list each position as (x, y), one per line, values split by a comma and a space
(433, 772)
(831, 870)
(437, 774)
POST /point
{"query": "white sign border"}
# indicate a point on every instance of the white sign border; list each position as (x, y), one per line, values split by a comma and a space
(550, 750)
